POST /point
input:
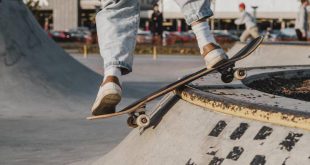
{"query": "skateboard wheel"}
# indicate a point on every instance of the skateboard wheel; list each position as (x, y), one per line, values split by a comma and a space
(143, 121)
(240, 74)
(227, 78)
(131, 121)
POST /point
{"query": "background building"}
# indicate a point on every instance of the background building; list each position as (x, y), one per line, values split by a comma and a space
(276, 14)
(67, 14)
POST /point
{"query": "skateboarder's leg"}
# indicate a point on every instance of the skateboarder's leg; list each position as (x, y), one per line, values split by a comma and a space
(117, 25)
(245, 35)
(196, 14)
(254, 32)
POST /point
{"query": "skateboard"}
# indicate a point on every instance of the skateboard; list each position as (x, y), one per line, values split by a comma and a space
(136, 110)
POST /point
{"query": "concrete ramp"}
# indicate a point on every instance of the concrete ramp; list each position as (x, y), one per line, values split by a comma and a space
(35, 73)
(45, 95)
(275, 54)
(192, 135)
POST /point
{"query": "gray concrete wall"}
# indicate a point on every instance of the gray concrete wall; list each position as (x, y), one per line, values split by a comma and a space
(65, 14)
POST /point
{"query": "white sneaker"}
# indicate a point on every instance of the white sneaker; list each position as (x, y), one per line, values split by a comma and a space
(214, 55)
(109, 95)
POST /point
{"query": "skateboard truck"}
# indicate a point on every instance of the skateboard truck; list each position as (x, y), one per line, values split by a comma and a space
(139, 118)
(229, 73)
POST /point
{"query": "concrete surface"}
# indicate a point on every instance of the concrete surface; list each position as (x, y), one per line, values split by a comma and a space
(190, 134)
(238, 90)
(224, 124)
(275, 54)
(45, 95)
(239, 100)
(206, 126)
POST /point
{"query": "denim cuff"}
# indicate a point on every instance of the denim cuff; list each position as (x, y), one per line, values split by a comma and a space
(193, 16)
(125, 67)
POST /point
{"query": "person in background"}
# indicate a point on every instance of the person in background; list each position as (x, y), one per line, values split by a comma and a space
(302, 24)
(156, 22)
(117, 25)
(250, 24)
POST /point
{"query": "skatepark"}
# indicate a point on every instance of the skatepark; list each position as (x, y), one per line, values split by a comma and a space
(45, 97)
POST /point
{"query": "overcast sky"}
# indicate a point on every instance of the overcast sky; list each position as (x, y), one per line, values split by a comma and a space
(232, 5)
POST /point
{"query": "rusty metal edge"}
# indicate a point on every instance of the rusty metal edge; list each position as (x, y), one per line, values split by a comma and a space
(239, 108)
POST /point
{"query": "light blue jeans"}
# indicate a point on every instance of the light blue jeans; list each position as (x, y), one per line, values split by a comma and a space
(117, 25)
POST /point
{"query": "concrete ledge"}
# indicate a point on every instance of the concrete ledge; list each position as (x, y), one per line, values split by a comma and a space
(264, 113)
(251, 110)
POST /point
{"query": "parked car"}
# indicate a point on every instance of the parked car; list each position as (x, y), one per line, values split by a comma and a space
(144, 37)
(224, 36)
(179, 37)
(61, 36)
(236, 33)
(287, 34)
(81, 34)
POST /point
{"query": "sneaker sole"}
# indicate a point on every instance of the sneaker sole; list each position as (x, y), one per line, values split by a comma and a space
(107, 105)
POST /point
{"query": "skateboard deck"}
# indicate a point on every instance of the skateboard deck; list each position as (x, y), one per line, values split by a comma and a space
(226, 69)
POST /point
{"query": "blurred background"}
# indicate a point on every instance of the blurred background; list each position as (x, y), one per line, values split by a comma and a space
(71, 23)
